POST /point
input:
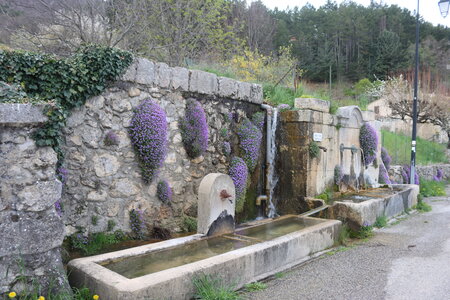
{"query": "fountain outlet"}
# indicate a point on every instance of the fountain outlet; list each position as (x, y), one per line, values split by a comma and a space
(261, 203)
(271, 178)
(354, 180)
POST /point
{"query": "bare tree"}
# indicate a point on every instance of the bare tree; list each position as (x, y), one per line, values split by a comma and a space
(432, 108)
(260, 28)
(61, 26)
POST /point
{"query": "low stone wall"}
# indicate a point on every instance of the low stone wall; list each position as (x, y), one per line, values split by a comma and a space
(427, 172)
(31, 231)
(105, 180)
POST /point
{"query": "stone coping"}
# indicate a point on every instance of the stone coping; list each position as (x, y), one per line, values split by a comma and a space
(18, 114)
(236, 267)
(146, 72)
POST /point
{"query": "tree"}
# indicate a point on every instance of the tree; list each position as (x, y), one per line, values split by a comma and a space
(432, 108)
(61, 26)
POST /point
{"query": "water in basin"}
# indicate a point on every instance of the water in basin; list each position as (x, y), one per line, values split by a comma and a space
(152, 262)
(366, 195)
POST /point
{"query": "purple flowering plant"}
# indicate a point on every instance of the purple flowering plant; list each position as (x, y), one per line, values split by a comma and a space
(386, 158)
(164, 191)
(283, 107)
(258, 120)
(238, 172)
(439, 175)
(137, 223)
(111, 139)
(249, 142)
(194, 129)
(383, 176)
(148, 134)
(62, 174)
(406, 174)
(58, 208)
(368, 139)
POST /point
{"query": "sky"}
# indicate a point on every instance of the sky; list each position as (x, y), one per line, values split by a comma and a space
(428, 9)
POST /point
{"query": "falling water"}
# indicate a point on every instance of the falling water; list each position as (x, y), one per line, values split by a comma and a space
(272, 176)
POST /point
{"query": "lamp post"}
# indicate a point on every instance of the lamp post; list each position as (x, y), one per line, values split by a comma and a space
(443, 7)
(414, 115)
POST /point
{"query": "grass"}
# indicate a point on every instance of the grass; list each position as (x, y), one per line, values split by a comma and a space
(422, 207)
(95, 243)
(78, 294)
(363, 233)
(399, 146)
(431, 188)
(212, 288)
(278, 94)
(380, 222)
(279, 275)
(255, 286)
(326, 196)
(189, 224)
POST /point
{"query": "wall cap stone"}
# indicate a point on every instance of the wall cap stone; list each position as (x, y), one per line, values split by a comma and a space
(18, 114)
(312, 104)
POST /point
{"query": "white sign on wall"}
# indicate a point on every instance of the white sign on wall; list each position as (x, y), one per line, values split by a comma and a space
(317, 137)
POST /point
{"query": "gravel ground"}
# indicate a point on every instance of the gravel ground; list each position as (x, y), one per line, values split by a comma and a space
(408, 260)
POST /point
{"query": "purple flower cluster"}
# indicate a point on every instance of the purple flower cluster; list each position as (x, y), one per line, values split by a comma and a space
(338, 175)
(226, 148)
(439, 175)
(238, 172)
(258, 120)
(406, 174)
(62, 174)
(194, 129)
(164, 191)
(386, 158)
(249, 142)
(148, 134)
(368, 139)
(58, 208)
(383, 176)
(283, 107)
(111, 139)
(137, 223)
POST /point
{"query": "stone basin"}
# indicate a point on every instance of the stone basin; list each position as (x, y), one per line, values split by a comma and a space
(254, 252)
(363, 209)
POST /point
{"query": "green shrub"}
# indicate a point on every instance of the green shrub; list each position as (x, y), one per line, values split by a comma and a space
(255, 286)
(380, 222)
(212, 288)
(431, 188)
(189, 224)
(68, 82)
(364, 232)
(314, 150)
(111, 225)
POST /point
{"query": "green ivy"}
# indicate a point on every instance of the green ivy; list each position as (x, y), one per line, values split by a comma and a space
(65, 83)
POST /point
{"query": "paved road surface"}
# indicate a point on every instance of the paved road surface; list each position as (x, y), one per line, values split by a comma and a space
(409, 260)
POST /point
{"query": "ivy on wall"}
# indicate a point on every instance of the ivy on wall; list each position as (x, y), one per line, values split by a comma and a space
(66, 83)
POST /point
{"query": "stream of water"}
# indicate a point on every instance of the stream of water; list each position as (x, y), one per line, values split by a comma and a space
(272, 176)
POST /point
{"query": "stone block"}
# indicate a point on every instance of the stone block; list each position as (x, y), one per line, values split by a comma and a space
(180, 79)
(163, 75)
(244, 91)
(105, 165)
(203, 82)
(95, 103)
(256, 94)
(39, 196)
(21, 114)
(30, 232)
(227, 87)
(312, 104)
(145, 72)
(216, 204)
(130, 73)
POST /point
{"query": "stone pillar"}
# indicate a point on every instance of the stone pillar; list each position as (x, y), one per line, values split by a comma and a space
(31, 231)
(216, 204)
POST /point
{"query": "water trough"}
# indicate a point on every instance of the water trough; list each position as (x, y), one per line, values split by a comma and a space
(165, 270)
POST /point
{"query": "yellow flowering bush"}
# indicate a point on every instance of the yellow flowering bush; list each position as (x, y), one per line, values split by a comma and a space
(12, 295)
(96, 297)
(257, 67)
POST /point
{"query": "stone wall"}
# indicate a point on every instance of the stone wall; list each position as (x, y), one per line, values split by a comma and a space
(31, 231)
(427, 172)
(304, 176)
(105, 180)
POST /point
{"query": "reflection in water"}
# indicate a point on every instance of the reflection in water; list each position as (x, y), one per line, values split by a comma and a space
(184, 254)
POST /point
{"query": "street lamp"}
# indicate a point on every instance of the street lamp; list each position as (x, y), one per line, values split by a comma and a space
(443, 7)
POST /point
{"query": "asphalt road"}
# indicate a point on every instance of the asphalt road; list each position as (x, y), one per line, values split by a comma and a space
(409, 260)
